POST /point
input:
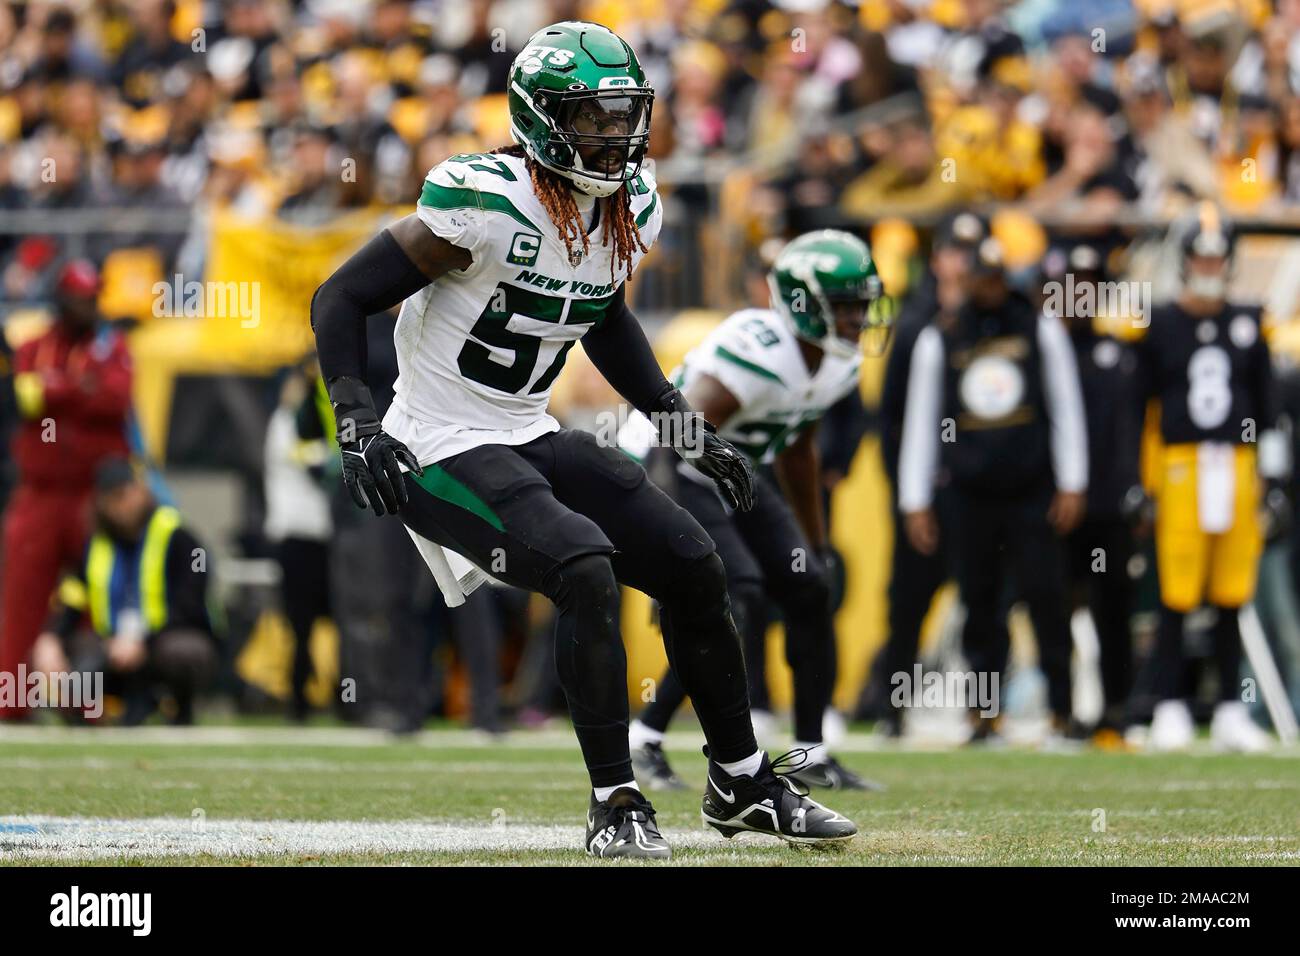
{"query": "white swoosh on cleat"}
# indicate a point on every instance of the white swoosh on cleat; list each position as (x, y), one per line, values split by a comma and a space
(729, 797)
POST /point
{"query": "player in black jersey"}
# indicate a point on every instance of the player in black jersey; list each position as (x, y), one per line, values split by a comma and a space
(1204, 360)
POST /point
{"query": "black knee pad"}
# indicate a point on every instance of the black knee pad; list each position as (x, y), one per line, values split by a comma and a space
(587, 581)
(699, 588)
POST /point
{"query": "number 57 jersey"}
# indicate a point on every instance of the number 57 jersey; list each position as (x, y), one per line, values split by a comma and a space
(479, 349)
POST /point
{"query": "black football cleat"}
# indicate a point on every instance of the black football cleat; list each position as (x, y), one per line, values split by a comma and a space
(770, 802)
(624, 826)
(653, 770)
(833, 775)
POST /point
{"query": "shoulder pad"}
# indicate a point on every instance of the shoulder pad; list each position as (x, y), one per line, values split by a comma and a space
(476, 185)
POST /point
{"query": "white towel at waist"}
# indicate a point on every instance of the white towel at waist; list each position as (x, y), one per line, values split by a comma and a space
(455, 574)
(1216, 470)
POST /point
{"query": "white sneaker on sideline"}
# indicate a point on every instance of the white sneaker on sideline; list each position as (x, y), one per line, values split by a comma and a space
(1171, 726)
(1232, 729)
(834, 727)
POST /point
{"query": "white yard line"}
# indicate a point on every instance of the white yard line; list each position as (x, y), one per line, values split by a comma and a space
(77, 838)
(64, 839)
(278, 763)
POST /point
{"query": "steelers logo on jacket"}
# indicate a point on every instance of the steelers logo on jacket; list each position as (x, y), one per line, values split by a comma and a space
(992, 388)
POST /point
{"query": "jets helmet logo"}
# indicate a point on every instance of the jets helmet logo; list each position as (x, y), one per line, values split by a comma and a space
(531, 59)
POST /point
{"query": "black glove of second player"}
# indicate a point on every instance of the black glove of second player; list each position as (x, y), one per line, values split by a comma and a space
(371, 457)
(698, 444)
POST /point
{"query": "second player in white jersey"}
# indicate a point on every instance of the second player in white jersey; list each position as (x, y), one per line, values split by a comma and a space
(764, 378)
(479, 350)
(756, 355)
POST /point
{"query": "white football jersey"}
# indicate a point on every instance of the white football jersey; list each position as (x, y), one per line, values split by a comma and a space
(756, 356)
(478, 349)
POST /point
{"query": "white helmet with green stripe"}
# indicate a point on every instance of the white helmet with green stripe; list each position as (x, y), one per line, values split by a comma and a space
(823, 273)
(580, 105)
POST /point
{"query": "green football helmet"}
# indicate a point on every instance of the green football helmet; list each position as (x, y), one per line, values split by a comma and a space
(820, 270)
(580, 105)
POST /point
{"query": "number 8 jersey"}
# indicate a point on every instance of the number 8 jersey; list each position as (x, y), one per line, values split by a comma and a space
(1212, 376)
(479, 349)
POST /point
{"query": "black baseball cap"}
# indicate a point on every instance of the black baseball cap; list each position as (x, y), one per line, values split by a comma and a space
(964, 229)
(112, 474)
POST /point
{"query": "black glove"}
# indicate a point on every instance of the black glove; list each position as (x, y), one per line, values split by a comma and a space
(1277, 510)
(371, 458)
(698, 444)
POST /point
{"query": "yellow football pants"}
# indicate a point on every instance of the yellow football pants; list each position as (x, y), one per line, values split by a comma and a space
(1195, 565)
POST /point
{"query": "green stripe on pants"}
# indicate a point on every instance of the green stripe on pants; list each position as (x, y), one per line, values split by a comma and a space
(441, 484)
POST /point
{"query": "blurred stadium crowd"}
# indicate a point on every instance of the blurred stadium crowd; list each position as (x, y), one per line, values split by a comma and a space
(261, 140)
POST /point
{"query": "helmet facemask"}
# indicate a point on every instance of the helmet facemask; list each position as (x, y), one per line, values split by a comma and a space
(597, 138)
(858, 322)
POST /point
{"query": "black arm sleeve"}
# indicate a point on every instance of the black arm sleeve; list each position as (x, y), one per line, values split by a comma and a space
(620, 351)
(379, 276)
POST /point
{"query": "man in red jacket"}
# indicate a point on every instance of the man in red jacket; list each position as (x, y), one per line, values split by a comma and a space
(73, 390)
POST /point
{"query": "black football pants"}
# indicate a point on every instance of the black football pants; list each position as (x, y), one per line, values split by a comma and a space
(766, 555)
(1001, 539)
(572, 519)
(1097, 558)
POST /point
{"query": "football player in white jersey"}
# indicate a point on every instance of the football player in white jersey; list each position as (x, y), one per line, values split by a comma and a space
(510, 258)
(765, 377)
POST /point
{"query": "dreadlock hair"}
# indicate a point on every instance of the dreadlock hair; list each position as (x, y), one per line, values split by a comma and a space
(556, 196)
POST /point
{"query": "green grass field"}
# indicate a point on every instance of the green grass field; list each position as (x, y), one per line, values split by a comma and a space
(314, 797)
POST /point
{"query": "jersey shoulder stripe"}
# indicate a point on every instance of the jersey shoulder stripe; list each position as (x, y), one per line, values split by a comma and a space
(474, 200)
(644, 216)
(726, 354)
(746, 356)
(482, 181)
(453, 197)
(754, 339)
